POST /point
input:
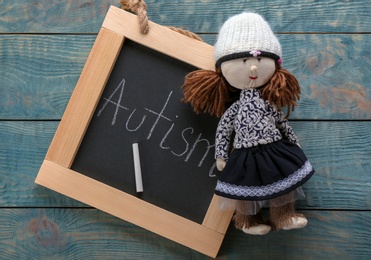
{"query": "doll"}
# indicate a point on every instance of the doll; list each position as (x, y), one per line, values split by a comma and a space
(248, 89)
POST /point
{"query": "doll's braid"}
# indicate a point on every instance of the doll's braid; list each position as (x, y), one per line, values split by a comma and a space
(207, 91)
(282, 90)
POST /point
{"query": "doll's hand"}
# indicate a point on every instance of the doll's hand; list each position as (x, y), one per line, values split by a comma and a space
(220, 164)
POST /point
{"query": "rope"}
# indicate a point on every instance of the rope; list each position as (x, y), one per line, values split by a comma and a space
(139, 7)
(186, 33)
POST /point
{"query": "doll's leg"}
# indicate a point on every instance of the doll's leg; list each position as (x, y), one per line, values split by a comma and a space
(285, 217)
(249, 224)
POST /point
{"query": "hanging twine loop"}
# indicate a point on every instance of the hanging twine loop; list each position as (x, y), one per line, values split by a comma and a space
(139, 7)
(186, 33)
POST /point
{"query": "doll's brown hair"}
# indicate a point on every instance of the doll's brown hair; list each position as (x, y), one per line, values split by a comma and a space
(209, 92)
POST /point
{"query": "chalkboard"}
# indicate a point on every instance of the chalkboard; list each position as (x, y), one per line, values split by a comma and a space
(129, 92)
(176, 146)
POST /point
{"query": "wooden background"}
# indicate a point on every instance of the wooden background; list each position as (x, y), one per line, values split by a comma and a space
(326, 43)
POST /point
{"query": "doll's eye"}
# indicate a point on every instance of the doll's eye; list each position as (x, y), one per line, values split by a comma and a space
(259, 59)
(244, 60)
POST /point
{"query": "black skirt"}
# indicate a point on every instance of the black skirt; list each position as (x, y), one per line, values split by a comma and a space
(264, 172)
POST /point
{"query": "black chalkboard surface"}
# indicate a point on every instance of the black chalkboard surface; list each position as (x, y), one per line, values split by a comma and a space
(142, 104)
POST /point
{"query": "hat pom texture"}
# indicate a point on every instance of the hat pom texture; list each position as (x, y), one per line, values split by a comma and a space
(246, 33)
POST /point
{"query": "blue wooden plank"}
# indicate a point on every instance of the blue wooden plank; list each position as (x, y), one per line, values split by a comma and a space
(328, 235)
(204, 16)
(39, 72)
(284, 16)
(22, 150)
(91, 234)
(21, 16)
(339, 151)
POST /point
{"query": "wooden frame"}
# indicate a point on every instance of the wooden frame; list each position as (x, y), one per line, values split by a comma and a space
(55, 172)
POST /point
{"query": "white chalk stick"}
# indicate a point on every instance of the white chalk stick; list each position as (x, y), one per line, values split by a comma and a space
(137, 168)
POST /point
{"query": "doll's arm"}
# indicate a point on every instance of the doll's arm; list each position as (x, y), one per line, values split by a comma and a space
(224, 132)
(284, 127)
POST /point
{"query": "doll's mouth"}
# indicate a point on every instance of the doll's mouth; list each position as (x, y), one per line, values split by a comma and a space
(253, 78)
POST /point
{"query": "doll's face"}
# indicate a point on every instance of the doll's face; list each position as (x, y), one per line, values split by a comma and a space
(251, 72)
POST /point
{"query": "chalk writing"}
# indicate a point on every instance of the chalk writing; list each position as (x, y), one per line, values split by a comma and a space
(116, 99)
(121, 87)
(140, 124)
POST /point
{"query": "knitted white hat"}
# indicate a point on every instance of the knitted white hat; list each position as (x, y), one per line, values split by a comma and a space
(245, 35)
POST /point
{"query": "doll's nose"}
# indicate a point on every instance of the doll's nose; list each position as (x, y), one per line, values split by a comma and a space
(253, 68)
(253, 71)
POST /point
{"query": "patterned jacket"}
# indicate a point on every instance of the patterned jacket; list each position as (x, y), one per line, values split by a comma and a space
(254, 122)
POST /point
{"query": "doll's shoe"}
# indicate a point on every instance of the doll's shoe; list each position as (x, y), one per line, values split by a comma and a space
(257, 230)
(297, 222)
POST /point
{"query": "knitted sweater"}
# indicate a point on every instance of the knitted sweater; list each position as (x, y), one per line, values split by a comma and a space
(254, 121)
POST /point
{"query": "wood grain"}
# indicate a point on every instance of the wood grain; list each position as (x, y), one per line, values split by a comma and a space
(328, 235)
(55, 173)
(39, 73)
(89, 233)
(339, 151)
(204, 16)
(333, 71)
(85, 97)
(43, 48)
(162, 39)
(284, 16)
(139, 212)
(53, 17)
(22, 150)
